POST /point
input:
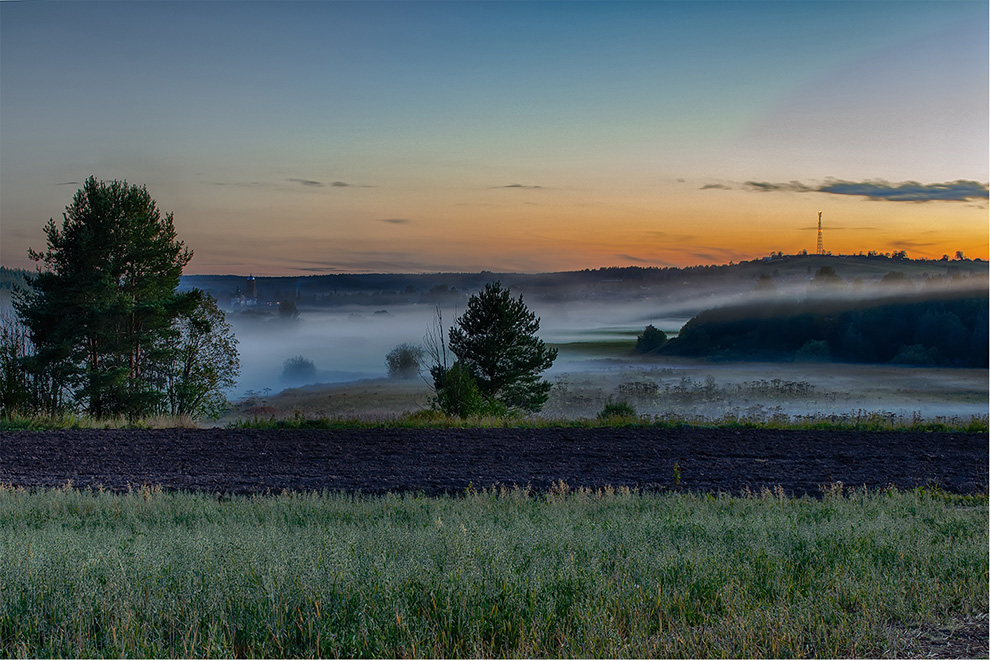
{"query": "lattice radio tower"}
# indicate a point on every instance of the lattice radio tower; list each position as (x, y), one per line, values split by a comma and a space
(821, 248)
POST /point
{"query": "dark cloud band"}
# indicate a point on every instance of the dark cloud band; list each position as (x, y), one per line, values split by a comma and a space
(910, 191)
(307, 182)
(793, 186)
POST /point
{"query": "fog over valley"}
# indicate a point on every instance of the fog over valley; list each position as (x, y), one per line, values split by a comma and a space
(342, 335)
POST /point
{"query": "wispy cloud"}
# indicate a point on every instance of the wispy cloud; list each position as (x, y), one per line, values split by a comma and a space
(240, 184)
(377, 261)
(793, 186)
(715, 186)
(395, 221)
(912, 245)
(308, 183)
(345, 184)
(909, 191)
(297, 181)
(68, 183)
(519, 185)
(643, 260)
(715, 254)
(670, 236)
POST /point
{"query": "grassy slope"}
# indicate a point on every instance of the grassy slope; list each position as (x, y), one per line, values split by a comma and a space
(490, 574)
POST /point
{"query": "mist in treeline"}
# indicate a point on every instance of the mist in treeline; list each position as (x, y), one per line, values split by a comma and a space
(346, 324)
(943, 329)
(694, 287)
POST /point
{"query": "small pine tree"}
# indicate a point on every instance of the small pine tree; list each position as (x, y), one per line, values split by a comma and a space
(495, 339)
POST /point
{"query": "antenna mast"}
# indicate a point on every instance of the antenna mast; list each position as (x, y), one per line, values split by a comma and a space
(820, 249)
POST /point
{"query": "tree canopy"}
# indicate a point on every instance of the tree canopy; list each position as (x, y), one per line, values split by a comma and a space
(104, 316)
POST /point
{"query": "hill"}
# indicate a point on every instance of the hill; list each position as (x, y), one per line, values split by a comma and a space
(933, 327)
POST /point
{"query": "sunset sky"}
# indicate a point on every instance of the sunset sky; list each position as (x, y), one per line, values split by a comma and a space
(294, 138)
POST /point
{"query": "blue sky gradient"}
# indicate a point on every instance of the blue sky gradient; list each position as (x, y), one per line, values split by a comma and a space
(335, 136)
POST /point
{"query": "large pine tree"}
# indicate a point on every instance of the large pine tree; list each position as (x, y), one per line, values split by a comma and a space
(101, 309)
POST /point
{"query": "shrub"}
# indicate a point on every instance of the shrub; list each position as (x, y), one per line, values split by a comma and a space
(298, 371)
(457, 394)
(616, 410)
(404, 361)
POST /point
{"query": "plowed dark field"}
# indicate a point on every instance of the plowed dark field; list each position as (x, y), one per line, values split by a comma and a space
(447, 461)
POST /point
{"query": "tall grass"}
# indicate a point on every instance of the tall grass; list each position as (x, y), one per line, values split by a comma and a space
(856, 420)
(22, 422)
(506, 573)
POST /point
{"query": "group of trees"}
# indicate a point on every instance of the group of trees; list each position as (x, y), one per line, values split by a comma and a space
(102, 328)
(944, 329)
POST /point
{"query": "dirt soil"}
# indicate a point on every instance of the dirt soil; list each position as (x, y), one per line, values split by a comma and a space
(448, 461)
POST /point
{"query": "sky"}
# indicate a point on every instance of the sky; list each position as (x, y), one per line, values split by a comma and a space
(303, 138)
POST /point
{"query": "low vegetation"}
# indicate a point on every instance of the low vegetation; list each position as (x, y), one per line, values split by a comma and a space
(496, 573)
(617, 413)
(859, 420)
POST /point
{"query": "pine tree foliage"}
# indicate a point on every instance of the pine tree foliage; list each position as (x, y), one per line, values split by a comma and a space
(495, 339)
(102, 311)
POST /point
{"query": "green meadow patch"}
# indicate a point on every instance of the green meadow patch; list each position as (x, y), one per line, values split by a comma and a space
(493, 573)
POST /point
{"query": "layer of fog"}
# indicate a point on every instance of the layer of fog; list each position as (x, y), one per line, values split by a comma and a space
(350, 344)
(597, 362)
(699, 389)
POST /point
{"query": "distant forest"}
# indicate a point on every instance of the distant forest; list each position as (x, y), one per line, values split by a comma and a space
(633, 283)
(941, 329)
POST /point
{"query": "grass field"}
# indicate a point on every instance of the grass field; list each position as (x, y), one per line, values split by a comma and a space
(507, 573)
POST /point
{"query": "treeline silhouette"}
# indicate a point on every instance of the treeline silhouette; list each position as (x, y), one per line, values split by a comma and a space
(633, 283)
(947, 329)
